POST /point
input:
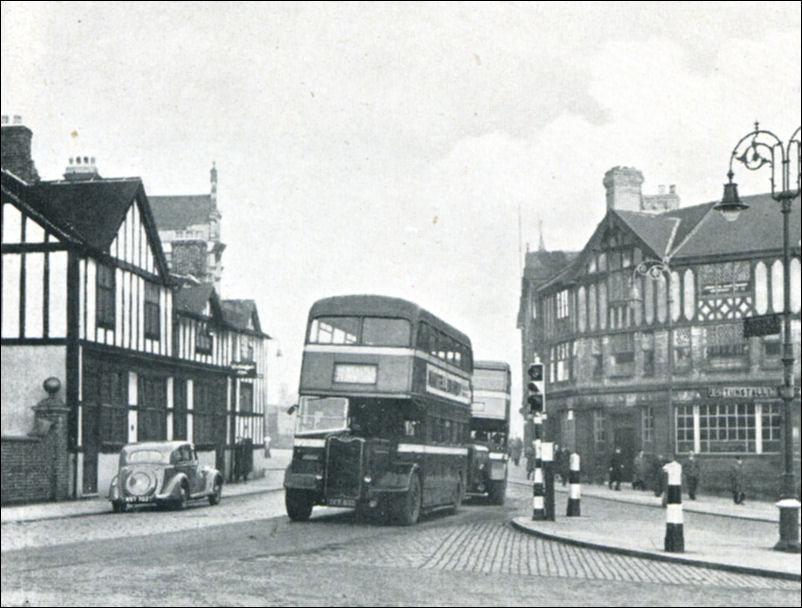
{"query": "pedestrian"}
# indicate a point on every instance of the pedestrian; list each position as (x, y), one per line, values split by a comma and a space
(558, 458)
(657, 474)
(616, 469)
(565, 461)
(639, 468)
(737, 480)
(515, 449)
(530, 462)
(692, 473)
(267, 446)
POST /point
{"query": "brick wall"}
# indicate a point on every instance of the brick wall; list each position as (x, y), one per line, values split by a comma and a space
(36, 468)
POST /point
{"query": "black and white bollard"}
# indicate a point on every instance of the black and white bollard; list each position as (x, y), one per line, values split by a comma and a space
(548, 478)
(675, 540)
(573, 509)
(538, 502)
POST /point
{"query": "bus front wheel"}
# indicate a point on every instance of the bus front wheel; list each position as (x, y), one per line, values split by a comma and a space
(496, 492)
(409, 505)
(299, 504)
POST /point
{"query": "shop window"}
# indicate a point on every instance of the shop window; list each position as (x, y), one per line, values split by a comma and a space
(727, 427)
(684, 426)
(770, 427)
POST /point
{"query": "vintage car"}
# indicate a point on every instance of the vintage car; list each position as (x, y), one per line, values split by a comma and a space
(162, 473)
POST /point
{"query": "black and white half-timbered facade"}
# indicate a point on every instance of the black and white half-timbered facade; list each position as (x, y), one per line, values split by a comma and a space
(659, 361)
(87, 297)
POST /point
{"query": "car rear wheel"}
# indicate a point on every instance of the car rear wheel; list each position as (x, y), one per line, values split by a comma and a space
(409, 506)
(299, 504)
(217, 492)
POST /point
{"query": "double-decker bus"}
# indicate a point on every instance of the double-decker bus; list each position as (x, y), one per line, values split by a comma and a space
(383, 413)
(490, 429)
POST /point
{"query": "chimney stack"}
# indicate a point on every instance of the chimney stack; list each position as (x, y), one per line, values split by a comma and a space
(623, 185)
(16, 149)
(81, 168)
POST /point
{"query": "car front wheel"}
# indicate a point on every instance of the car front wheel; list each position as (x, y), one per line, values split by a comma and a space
(181, 502)
(217, 492)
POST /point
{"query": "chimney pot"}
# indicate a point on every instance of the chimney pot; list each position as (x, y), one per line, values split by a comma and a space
(672, 189)
(661, 189)
(5, 119)
(17, 119)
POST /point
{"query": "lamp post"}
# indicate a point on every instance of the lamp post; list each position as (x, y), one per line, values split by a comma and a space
(754, 150)
(656, 270)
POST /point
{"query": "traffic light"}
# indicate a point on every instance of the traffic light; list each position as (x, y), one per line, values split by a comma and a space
(537, 389)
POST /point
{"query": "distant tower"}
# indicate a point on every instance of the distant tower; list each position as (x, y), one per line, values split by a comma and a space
(542, 245)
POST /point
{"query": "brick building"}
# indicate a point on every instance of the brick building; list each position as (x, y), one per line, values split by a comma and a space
(660, 364)
(189, 228)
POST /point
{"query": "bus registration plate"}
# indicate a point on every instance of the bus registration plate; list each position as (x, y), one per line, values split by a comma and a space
(342, 502)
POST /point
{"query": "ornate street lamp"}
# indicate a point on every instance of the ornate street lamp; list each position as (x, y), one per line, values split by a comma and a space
(657, 270)
(754, 150)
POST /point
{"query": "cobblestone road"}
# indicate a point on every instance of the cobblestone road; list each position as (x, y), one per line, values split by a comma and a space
(246, 552)
(496, 548)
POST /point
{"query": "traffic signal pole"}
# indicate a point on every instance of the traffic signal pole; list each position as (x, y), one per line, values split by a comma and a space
(536, 401)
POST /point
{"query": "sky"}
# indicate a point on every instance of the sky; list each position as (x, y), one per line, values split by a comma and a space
(405, 149)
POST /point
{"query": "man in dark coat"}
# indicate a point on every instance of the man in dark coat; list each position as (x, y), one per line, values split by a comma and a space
(737, 480)
(616, 469)
(692, 473)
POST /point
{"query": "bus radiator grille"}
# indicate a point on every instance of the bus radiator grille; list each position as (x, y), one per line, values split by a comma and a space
(343, 467)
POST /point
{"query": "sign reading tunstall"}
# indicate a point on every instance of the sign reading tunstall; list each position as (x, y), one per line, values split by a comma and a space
(749, 392)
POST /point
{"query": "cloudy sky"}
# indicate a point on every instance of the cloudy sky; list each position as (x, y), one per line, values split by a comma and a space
(390, 148)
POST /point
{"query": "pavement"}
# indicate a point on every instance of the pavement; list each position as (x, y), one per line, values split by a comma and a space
(636, 529)
(271, 482)
(742, 540)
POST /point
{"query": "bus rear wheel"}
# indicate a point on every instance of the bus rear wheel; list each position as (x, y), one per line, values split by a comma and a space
(409, 505)
(299, 504)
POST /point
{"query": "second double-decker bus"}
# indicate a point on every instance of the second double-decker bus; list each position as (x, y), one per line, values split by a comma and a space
(384, 410)
(490, 429)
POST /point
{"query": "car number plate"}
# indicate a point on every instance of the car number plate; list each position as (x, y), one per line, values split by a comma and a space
(342, 502)
(137, 499)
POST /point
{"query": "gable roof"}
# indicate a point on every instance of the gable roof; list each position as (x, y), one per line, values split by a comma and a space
(759, 228)
(656, 231)
(14, 190)
(242, 315)
(93, 210)
(180, 212)
(193, 298)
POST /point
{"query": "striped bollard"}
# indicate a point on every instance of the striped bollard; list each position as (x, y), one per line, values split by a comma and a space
(573, 509)
(538, 501)
(675, 540)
